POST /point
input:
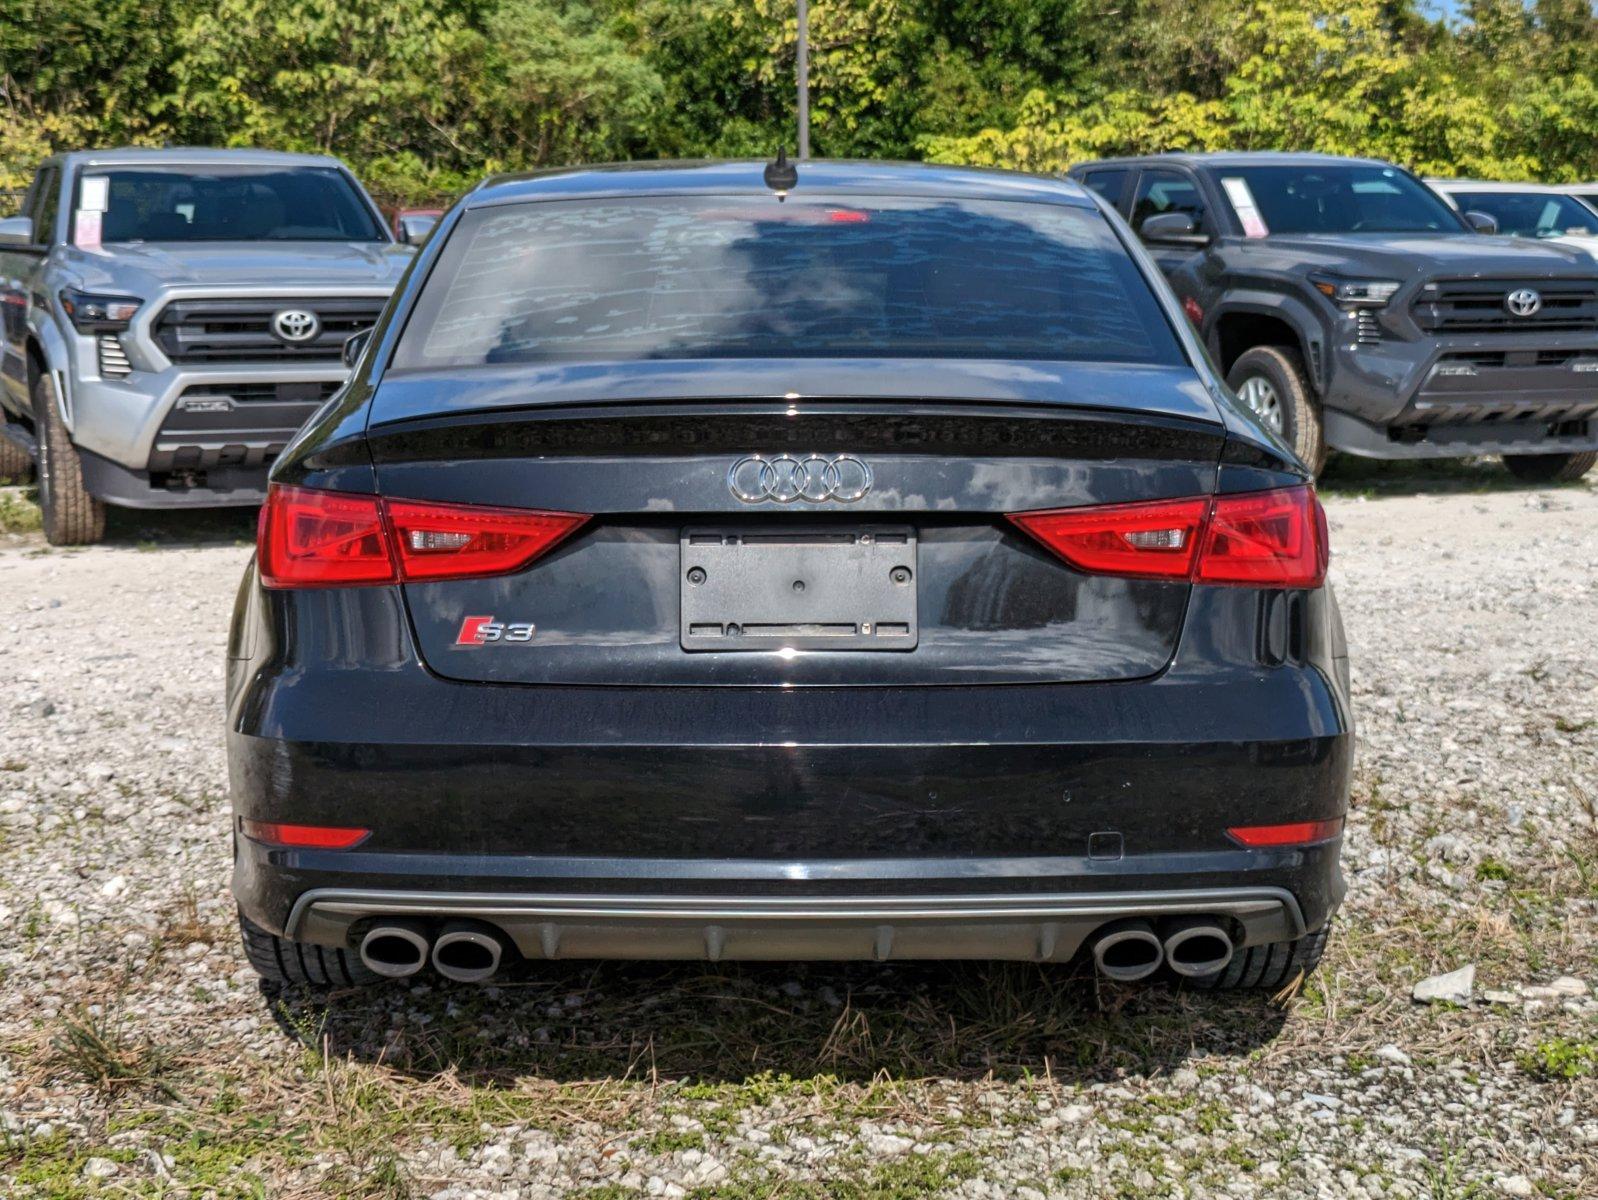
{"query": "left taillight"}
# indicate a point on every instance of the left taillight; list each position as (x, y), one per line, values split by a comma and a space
(310, 538)
(1270, 539)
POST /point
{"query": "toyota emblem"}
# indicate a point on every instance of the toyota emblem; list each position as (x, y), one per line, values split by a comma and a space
(296, 326)
(1523, 302)
(785, 479)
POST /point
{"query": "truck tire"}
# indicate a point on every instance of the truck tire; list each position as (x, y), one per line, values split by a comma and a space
(284, 963)
(1551, 468)
(1270, 967)
(72, 517)
(15, 464)
(1270, 381)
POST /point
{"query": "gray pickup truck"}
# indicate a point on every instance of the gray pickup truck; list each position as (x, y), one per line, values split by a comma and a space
(172, 317)
(1352, 309)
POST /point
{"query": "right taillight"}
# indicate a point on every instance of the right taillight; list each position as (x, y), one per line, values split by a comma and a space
(1274, 539)
(1265, 539)
(314, 538)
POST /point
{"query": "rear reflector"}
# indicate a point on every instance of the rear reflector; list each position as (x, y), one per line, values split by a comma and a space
(1274, 539)
(1297, 833)
(305, 837)
(313, 538)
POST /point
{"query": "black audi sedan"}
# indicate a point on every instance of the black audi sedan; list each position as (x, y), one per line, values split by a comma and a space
(706, 564)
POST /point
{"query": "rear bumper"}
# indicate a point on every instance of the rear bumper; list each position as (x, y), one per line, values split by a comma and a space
(784, 822)
(1029, 927)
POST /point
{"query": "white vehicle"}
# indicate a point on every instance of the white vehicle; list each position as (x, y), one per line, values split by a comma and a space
(1529, 210)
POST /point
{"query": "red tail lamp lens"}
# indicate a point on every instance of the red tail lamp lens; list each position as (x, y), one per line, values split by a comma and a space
(303, 837)
(454, 541)
(1274, 539)
(310, 538)
(1295, 833)
(314, 538)
(1157, 540)
(1266, 539)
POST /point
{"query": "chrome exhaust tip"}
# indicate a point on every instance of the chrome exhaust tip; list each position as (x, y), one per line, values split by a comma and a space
(395, 949)
(1127, 950)
(1195, 945)
(469, 952)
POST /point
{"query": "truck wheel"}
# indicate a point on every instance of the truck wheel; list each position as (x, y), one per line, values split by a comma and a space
(282, 962)
(15, 465)
(1551, 468)
(72, 517)
(1270, 381)
(1272, 966)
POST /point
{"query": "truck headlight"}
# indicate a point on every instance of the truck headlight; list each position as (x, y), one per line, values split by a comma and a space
(1356, 293)
(93, 313)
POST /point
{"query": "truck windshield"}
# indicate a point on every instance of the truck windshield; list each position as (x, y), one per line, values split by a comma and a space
(227, 204)
(751, 277)
(1532, 214)
(1336, 199)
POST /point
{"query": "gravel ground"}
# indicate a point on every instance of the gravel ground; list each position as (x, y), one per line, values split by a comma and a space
(141, 1058)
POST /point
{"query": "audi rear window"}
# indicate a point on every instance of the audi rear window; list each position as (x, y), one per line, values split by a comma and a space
(754, 277)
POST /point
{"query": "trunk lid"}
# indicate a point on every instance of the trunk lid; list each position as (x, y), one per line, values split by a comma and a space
(893, 565)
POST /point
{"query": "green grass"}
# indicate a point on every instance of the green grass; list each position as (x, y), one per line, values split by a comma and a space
(1560, 1059)
(18, 512)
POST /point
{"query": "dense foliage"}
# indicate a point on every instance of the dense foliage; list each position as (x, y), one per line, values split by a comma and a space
(424, 96)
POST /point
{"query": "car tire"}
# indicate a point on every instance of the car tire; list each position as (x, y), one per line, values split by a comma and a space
(72, 517)
(1551, 468)
(16, 466)
(1282, 398)
(283, 963)
(1272, 966)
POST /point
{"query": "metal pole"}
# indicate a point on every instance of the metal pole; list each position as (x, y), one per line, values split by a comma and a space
(804, 80)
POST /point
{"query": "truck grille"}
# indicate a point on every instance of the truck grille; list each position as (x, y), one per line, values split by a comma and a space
(1479, 306)
(191, 331)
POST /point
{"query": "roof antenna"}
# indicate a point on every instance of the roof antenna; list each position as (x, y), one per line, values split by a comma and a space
(781, 176)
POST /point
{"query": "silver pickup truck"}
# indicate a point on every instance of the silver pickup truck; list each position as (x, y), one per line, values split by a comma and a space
(172, 317)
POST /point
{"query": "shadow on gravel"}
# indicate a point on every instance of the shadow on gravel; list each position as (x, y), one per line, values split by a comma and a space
(586, 1022)
(156, 529)
(1346, 475)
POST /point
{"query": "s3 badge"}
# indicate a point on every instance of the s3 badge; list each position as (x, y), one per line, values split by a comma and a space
(487, 631)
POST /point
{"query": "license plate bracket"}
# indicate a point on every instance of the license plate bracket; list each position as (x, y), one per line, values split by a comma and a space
(815, 588)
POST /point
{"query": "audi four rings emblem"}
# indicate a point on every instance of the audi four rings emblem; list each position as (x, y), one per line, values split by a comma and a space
(296, 325)
(1523, 302)
(785, 479)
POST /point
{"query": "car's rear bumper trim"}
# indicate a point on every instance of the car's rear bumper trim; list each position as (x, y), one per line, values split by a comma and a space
(1032, 927)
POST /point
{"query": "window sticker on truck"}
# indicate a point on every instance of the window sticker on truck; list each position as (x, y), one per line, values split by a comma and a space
(1248, 212)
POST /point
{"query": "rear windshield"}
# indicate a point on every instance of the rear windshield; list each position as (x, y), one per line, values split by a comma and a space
(1336, 199)
(229, 204)
(752, 277)
(1532, 214)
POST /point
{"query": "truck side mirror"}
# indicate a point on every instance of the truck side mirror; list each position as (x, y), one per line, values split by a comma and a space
(413, 230)
(1172, 229)
(354, 346)
(16, 231)
(1482, 222)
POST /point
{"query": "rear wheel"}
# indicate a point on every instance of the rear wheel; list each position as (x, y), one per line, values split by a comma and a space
(15, 464)
(1551, 468)
(280, 961)
(1272, 966)
(72, 517)
(1270, 381)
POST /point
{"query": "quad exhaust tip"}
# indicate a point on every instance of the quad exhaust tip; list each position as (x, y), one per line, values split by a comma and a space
(1127, 950)
(469, 951)
(1195, 945)
(395, 949)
